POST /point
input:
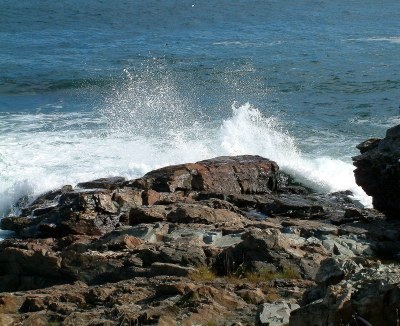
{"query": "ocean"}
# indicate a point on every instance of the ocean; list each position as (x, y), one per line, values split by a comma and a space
(96, 88)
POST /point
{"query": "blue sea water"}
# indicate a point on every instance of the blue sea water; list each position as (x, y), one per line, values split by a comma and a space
(96, 88)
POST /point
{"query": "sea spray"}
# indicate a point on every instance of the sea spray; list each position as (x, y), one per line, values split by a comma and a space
(30, 165)
(52, 159)
(148, 104)
(248, 131)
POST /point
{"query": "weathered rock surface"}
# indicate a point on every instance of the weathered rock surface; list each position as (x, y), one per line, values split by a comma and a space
(351, 292)
(226, 241)
(275, 314)
(244, 174)
(378, 171)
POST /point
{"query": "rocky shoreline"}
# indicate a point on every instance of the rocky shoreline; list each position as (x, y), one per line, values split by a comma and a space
(225, 241)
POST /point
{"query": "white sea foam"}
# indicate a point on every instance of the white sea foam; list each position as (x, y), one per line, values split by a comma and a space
(390, 39)
(30, 165)
(244, 44)
(143, 125)
(249, 132)
(383, 123)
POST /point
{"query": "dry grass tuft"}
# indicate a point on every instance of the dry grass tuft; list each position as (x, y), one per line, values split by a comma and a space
(203, 273)
(211, 323)
(272, 295)
(265, 275)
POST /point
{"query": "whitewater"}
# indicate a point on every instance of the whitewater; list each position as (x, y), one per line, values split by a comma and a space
(97, 89)
(124, 143)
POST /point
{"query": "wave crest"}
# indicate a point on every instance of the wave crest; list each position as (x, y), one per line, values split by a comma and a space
(32, 165)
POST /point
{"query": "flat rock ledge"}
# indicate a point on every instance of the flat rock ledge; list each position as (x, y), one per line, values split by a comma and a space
(225, 241)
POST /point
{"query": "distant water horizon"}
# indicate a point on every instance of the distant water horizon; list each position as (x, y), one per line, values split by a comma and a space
(92, 89)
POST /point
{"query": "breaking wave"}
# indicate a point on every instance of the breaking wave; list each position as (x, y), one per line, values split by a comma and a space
(147, 125)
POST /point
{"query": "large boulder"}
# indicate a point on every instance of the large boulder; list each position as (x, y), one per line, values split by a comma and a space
(378, 171)
(244, 174)
(102, 205)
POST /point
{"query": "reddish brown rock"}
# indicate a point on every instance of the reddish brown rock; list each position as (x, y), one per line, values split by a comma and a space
(26, 265)
(127, 197)
(192, 213)
(150, 214)
(228, 175)
(152, 197)
(10, 303)
(198, 243)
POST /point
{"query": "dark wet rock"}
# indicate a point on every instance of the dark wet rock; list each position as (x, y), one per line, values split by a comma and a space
(377, 230)
(170, 269)
(288, 184)
(45, 201)
(296, 190)
(103, 183)
(89, 200)
(310, 206)
(341, 199)
(357, 214)
(246, 201)
(378, 171)
(368, 144)
(16, 223)
(293, 206)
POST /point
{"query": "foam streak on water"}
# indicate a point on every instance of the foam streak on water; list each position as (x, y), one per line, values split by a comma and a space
(391, 39)
(30, 165)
